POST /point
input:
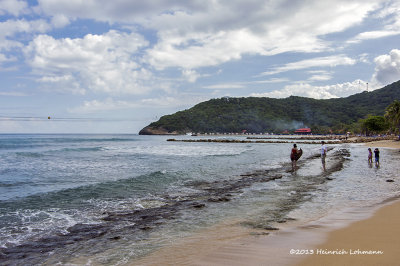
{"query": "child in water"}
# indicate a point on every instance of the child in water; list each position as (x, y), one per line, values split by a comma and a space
(376, 151)
(369, 156)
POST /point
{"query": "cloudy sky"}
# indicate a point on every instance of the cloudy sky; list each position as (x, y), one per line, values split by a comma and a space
(101, 66)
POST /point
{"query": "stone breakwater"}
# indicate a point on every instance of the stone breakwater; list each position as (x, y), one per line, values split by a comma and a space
(291, 140)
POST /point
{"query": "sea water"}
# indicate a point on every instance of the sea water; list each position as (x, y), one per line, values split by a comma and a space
(115, 198)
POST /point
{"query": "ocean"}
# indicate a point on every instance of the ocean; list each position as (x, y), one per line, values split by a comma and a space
(111, 199)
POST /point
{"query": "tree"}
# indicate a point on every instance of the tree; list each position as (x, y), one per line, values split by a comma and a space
(375, 124)
(392, 114)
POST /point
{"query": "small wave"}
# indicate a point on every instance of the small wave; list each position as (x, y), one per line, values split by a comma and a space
(11, 144)
(12, 184)
(134, 187)
(30, 154)
(91, 139)
(189, 150)
(83, 149)
(27, 225)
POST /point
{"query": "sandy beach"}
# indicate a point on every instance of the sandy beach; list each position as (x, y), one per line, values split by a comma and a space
(374, 241)
(384, 144)
(355, 237)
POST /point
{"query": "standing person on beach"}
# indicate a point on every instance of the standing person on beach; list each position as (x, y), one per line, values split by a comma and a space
(376, 151)
(369, 156)
(293, 156)
(323, 154)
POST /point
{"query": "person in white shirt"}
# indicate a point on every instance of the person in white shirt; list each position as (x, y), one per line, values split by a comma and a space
(323, 154)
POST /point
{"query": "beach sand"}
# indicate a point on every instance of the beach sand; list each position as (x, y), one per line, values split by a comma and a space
(378, 236)
(394, 144)
(373, 230)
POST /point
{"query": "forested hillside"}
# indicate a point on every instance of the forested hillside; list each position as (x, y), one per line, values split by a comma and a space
(259, 115)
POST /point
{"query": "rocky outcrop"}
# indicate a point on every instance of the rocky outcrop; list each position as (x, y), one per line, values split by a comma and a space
(156, 131)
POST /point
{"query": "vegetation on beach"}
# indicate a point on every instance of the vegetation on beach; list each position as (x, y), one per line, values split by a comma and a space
(374, 124)
(392, 115)
(259, 115)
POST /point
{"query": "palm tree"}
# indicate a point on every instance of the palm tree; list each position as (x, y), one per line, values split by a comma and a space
(392, 114)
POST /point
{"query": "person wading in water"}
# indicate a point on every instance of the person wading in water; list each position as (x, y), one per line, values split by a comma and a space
(294, 156)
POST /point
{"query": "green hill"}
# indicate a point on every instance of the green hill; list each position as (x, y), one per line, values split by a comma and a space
(258, 115)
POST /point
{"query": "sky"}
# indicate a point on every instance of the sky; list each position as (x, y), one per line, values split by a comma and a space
(100, 66)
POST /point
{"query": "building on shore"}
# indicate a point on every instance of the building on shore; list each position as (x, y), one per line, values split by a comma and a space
(305, 131)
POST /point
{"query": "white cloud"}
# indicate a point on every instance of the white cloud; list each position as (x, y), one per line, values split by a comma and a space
(59, 21)
(390, 14)
(387, 69)
(323, 77)
(243, 85)
(174, 101)
(364, 58)
(190, 75)
(11, 27)
(122, 11)
(103, 63)
(5, 58)
(210, 38)
(269, 81)
(163, 102)
(320, 75)
(373, 35)
(238, 85)
(13, 7)
(108, 104)
(328, 61)
(317, 92)
(13, 94)
(194, 34)
(62, 83)
(202, 49)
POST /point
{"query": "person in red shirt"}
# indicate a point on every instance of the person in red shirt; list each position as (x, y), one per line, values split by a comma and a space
(294, 156)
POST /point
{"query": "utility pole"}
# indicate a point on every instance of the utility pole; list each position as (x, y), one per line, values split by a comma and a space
(367, 86)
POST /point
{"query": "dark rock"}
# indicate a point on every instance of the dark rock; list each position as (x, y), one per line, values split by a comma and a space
(145, 228)
(270, 228)
(198, 205)
(218, 199)
(259, 233)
